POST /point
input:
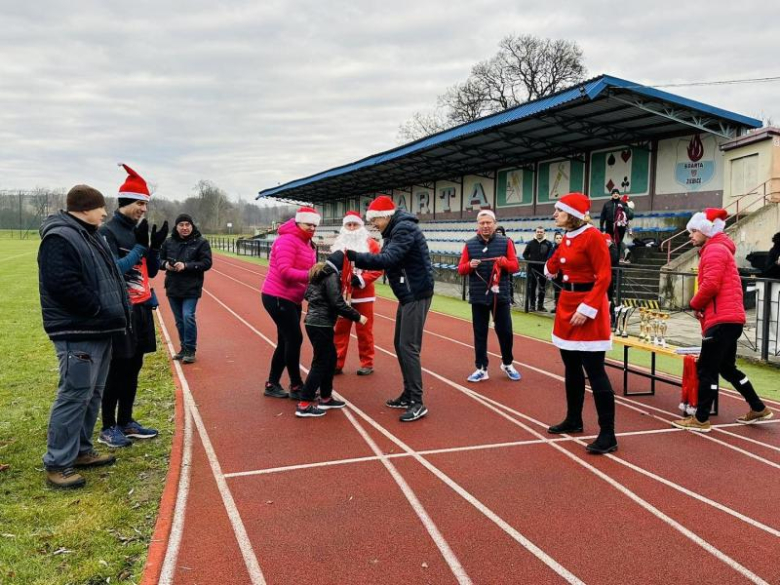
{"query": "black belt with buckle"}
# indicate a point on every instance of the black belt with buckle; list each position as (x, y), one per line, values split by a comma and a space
(577, 286)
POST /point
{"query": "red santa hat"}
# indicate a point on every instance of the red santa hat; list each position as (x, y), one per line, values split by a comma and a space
(307, 215)
(352, 217)
(382, 206)
(711, 221)
(134, 186)
(575, 204)
(487, 212)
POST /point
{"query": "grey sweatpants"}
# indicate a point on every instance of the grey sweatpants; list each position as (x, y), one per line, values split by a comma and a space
(83, 373)
(409, 326)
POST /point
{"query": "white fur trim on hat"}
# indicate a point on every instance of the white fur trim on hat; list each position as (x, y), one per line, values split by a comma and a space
(488, 212)
(311, 217)
(352, 219)
(709, 228)
(569, 209)
(373, 213)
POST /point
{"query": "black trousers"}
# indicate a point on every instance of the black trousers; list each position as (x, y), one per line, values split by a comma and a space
(289, 338)
(480, 320)
(719, 357)
(577, 364)
(121, 387)
(323, 364)
(536, 283)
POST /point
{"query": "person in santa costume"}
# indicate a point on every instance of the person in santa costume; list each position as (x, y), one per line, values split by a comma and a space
(582, 329)
(292, 256)
(406, 259)
(354, 236)
(488, 259)
(719, 307)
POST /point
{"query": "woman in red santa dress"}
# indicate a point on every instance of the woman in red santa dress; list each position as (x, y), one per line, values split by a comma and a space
(582, 328)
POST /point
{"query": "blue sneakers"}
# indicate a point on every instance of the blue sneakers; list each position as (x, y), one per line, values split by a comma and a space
(511, 372)
(114, 438)
(135, 431)
(310, 411)
(479, 376)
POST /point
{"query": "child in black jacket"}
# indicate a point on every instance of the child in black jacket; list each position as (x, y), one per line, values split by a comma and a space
(326, 303)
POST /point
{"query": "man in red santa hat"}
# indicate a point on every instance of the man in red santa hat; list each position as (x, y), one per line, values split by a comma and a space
(354, 236)
(718, 305)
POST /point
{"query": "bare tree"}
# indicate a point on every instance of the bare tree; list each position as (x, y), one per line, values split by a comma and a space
(525, 68)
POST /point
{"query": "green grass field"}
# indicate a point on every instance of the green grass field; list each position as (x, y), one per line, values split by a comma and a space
(98, 534)
(764, 377)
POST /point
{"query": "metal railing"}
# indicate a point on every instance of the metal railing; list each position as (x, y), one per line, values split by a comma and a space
(738, 208)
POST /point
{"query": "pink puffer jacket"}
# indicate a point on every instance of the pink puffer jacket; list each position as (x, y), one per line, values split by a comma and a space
(291, 258)
(720, 288)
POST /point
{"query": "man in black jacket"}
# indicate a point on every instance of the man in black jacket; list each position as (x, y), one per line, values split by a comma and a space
(614, 218)
(537, 250)
(407, 263)
(138, 258)
(84, 303)
(185, 256)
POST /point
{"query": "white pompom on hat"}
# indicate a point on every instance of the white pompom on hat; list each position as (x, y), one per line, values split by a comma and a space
(576, 204)
(382, 206)
(711, 221)
(488, 212)
(352, 217)
(307, 215)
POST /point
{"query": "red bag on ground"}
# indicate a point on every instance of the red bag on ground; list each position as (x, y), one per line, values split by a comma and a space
(690, 385)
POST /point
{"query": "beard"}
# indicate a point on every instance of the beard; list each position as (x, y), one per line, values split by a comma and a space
(356, 240)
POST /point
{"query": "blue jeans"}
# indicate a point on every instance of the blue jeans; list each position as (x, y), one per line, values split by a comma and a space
(83, 373)
(184, 314)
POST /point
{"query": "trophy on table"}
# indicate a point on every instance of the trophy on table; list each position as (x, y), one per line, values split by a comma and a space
(655, 319)
(643, 328)
(663, 327)
(622, 320)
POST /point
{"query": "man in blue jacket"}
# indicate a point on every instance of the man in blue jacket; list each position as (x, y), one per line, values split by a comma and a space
(407, 263)
(84, 304)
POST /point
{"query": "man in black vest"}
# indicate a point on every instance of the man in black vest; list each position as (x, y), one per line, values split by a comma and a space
(537, 250)
(138, 258)
(488, 259)
(84, 303)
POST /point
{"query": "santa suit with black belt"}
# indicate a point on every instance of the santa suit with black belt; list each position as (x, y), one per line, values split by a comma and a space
(582, 259)
(362, 299)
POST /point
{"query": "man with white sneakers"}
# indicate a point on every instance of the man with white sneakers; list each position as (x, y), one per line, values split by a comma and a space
(488, 259)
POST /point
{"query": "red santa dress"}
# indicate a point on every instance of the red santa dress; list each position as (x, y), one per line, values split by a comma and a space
(582, 258)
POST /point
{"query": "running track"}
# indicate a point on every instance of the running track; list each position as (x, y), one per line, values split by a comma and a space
(476, 492)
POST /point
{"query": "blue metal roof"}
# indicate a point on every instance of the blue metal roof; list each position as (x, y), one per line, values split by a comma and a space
(637, 105)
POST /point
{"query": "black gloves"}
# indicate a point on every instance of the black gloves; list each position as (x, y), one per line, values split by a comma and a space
(142, 233)
(356, 283)
(158, 238)
(352, 255)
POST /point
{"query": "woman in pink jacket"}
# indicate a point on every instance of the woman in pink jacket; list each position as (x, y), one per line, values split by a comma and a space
(292, 255)
(719, 307)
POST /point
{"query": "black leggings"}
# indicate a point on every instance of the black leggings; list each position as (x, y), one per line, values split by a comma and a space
(592, 362)
(719, 356)
(119, 394)
(323, 364)
(287, 316)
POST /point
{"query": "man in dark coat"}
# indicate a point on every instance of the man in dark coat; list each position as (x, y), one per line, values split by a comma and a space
(84, 303)
(185, 256)
(537, 250)
(407, 262)
(138, 258)
(615, 216)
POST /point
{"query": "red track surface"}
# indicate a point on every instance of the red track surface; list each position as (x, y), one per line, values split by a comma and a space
(671, 506)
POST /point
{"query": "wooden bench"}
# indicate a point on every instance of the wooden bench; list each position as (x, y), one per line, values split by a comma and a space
(635, 342)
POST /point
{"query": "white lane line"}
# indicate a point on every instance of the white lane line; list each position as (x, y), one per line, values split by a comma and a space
(441, 543)
(7, 258)
(449, 556)
(180, 508)
(244, 544)
(728, 392)
(633, 496)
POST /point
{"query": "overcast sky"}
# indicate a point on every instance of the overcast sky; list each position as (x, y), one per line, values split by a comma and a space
(253, 94)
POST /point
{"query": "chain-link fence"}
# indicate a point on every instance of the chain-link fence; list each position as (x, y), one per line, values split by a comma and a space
(22, 212)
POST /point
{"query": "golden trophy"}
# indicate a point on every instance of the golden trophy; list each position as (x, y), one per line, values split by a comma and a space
(663, 327)
(656, 328)
(642, 324)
